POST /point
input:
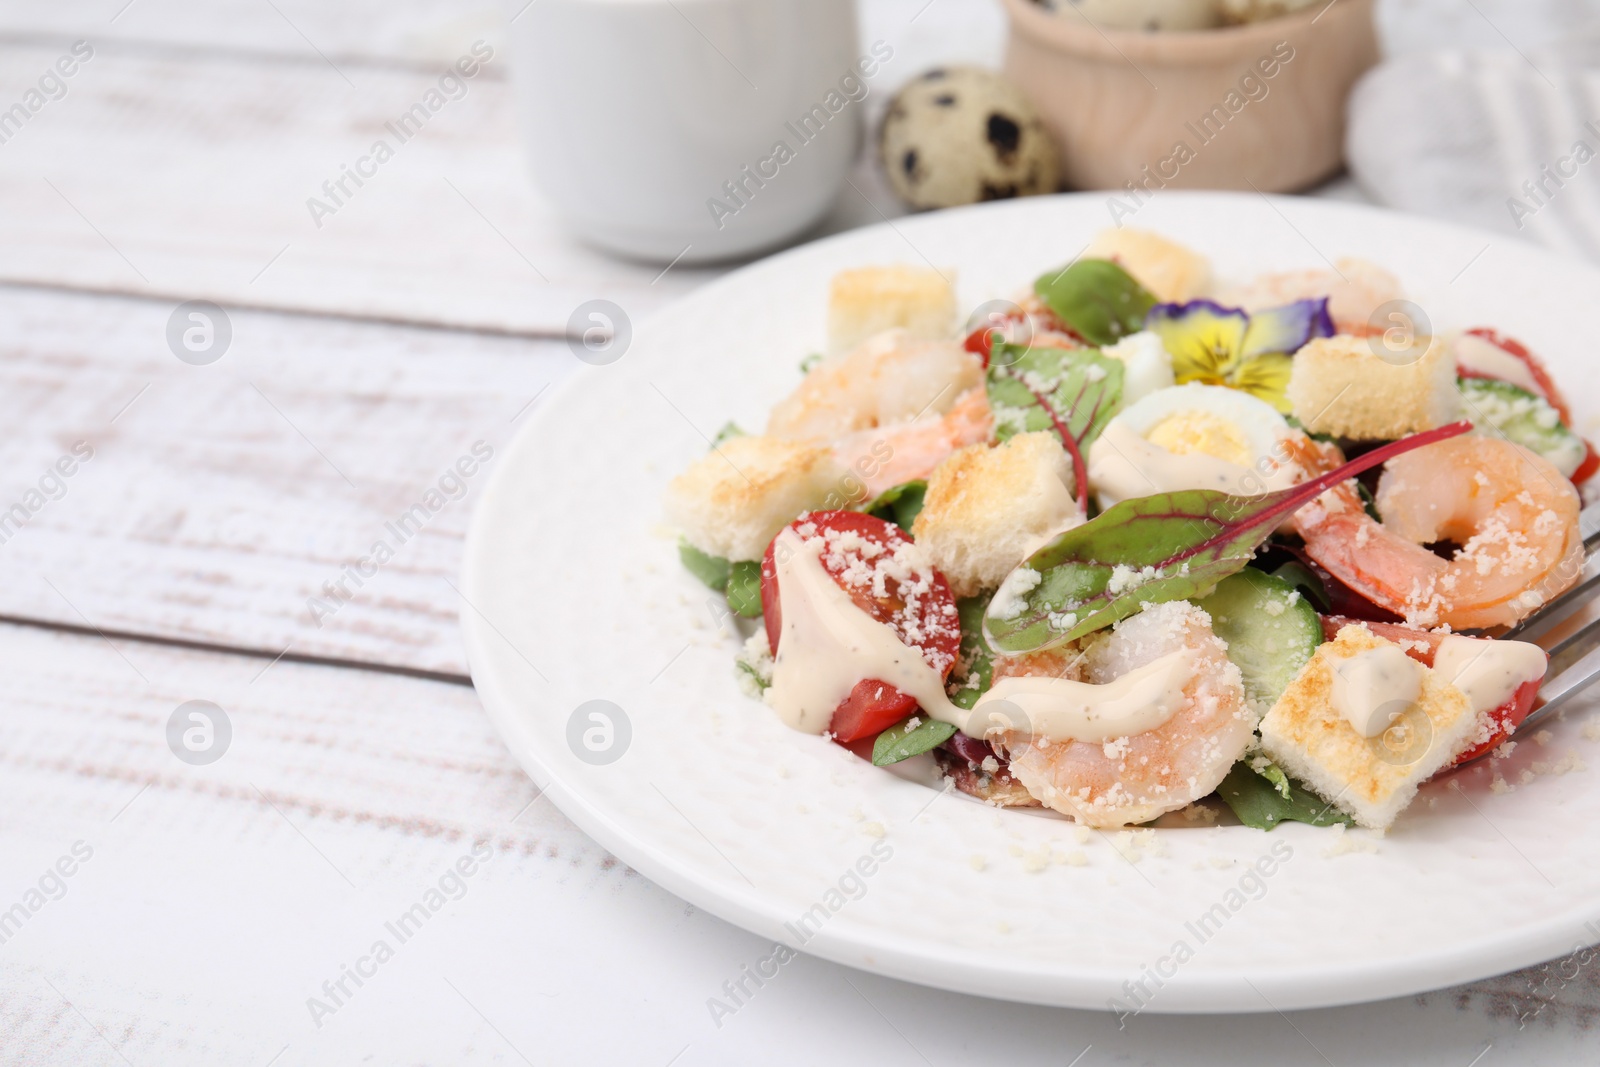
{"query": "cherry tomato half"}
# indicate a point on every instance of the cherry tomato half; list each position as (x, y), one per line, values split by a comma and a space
(1536, 369)
(872, 706)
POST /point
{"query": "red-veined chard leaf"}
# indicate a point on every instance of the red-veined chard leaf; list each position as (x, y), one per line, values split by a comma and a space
(1171, 546)
(1098, 299)
(1073, 391)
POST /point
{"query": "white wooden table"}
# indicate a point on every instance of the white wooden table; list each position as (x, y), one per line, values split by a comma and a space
(208, 904)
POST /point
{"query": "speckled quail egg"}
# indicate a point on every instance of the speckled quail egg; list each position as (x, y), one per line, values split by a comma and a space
(957, 135)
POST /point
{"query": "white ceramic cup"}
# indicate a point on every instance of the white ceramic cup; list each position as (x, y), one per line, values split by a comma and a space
(700, 129)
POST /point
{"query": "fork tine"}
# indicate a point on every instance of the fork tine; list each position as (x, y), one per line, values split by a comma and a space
(1559, 691)
(1564, 605)
(1558, 608)
(1569, 648)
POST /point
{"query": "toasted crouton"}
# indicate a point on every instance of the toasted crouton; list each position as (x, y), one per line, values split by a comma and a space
(1371, 778)
(1169, 270)
(872, 299)
(986, 508)
(733, 500)
(1343, 386)
(892, 377)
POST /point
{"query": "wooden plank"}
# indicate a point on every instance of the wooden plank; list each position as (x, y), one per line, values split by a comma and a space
(220, 498)
(358, 31)
(190, 178)
(430, 31)
(175, 165)
(215, 901)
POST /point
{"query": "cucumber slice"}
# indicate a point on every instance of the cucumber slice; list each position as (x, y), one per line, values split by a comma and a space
(1270, 628)
(1501, 409)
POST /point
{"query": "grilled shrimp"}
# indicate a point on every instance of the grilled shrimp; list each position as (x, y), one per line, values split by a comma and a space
(890, 455)
(1355, 290)
(1134, 779)
(1511, 512)
(891, 378)
(891, 410)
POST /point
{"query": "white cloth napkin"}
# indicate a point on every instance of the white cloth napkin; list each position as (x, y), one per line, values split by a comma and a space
(1503, 139)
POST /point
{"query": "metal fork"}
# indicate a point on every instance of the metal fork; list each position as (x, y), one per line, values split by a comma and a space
(1575, 659)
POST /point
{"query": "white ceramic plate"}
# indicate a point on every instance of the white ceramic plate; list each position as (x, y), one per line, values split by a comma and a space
(575, 594)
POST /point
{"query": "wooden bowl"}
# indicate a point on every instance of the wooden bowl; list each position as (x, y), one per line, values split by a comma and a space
(1257, 106)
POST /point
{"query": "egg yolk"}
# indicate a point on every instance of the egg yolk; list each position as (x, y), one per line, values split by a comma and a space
(1198, 432)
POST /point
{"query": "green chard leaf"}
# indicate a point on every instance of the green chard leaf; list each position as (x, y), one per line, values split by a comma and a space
(1073, 391)
(900, 504)
(975, 654)
(1080, 386)
(904, 741)
(1262, 796)
(1171, 546)
(744, 588)
(1097, 298)
(713, 570)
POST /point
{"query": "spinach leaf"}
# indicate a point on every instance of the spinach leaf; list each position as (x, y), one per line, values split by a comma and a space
(729, 431)
(1097, 298)
(900, 504)
(904, 741)
(744, 588)
(975, 653)
(1368, 501)
(1305, 579)
(1266, 797)
(713, 570)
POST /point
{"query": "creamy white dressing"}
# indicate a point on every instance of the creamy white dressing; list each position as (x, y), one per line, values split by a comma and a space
(1057, 708)
(1374, 686)
(1475, 354)
(828, 644)
(1123, 465)
(1488, 672)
